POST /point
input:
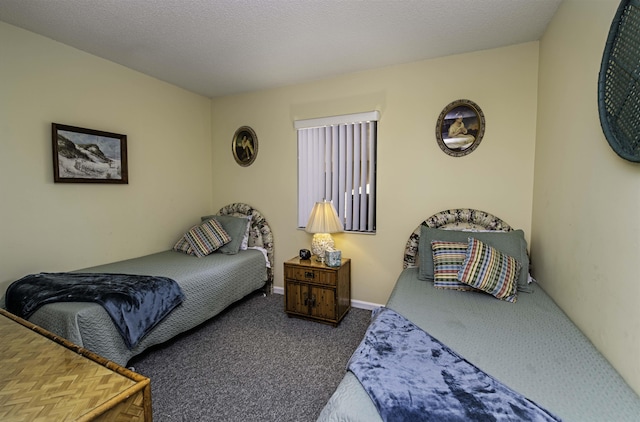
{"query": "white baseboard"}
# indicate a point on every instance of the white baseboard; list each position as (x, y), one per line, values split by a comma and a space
(364, 305)
(354, 303)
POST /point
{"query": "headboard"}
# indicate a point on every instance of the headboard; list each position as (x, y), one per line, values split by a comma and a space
(259, 232)
(457, 219)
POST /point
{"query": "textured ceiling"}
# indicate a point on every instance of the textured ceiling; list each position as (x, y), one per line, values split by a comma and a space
(223, 47)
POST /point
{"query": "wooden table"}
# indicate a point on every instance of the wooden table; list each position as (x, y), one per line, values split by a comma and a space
(46, 378)
(316, 291)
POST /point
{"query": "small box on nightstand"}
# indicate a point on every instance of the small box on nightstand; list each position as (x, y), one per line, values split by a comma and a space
(333, 258)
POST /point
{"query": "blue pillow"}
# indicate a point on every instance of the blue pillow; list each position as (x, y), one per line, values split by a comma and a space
(511, 243)
(236, 227)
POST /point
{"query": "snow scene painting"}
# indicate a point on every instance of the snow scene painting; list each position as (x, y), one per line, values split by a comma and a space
(85, 155)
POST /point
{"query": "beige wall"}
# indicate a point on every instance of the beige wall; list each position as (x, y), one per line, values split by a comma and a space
(60, 227)
(415, 178)
(585, 202)
(586, 231)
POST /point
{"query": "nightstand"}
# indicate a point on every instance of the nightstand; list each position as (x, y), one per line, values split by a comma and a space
(316, 291)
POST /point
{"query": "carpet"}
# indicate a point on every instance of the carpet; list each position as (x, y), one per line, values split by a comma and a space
(251, 363)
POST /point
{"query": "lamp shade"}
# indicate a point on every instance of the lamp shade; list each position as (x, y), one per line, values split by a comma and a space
(323, 219)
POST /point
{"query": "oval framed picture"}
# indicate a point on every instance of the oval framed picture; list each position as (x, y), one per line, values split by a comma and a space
(244, 146)
(460, 128)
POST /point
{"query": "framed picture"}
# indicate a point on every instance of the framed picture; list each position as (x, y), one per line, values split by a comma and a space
(88, 156)
(244, 146)
(460, 128)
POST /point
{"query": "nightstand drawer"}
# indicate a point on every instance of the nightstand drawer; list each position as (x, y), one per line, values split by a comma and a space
(310, 275)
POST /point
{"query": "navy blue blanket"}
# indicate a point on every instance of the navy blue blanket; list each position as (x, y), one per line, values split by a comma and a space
(135, 303)
(410, 376)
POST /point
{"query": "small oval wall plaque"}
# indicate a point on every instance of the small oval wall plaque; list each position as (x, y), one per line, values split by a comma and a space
(460, 128)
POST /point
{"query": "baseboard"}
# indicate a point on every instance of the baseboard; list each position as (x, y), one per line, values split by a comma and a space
(364, 305)
(354, 303)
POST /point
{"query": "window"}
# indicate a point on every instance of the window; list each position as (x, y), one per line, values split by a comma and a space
(337, 162)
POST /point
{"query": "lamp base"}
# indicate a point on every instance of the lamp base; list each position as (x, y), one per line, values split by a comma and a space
(320, 243)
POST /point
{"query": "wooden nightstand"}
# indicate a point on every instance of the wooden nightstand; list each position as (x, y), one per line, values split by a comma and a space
(316, 291)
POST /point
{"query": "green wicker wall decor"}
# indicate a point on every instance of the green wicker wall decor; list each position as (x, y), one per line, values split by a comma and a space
(619, 82)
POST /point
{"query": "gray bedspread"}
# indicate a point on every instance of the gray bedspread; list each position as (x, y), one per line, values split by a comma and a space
(209, 284)
(135, 303)
(530, 346)
(412, 377)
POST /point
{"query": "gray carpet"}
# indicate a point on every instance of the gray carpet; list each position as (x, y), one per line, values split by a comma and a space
(251, 363)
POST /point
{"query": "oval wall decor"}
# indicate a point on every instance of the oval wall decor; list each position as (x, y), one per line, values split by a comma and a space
(460, 128)
(244, 146)
(619, 82)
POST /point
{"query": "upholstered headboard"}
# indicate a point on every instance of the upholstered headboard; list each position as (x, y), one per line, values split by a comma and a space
(459, 219)
(259, 231)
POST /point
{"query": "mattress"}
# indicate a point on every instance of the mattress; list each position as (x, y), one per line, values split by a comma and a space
(210, 285)
(531, 346)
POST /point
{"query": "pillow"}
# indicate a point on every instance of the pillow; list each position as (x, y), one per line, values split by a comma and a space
(236, 227)
(183, 246)
(207, 238)
(447, 262)
(511, 243)
(490, 270)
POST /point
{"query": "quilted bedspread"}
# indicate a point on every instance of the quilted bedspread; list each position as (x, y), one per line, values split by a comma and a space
(210, 284)
(135, 303)
(411, 376)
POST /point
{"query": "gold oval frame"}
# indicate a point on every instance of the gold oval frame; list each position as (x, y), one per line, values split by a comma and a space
(469, 132)
(244, 146)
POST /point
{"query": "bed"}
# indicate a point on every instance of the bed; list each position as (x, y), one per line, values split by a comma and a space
(209, 284)
(530, 345)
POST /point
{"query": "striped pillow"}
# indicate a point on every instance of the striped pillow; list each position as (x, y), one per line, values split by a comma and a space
(183, 246)
(447, 261)
(207, 237)
(490, 270)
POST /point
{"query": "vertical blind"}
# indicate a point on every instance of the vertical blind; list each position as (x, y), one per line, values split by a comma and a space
(337, 162)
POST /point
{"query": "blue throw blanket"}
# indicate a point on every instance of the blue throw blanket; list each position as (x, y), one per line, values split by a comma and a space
(410, 376)
(135, 303)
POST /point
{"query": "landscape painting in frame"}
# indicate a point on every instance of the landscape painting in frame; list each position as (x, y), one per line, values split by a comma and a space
(83, 155)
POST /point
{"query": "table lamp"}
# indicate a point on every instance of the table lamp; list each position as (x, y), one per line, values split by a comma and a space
(322, 222)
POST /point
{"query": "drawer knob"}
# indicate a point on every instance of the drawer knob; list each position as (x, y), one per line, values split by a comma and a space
(308, 274)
